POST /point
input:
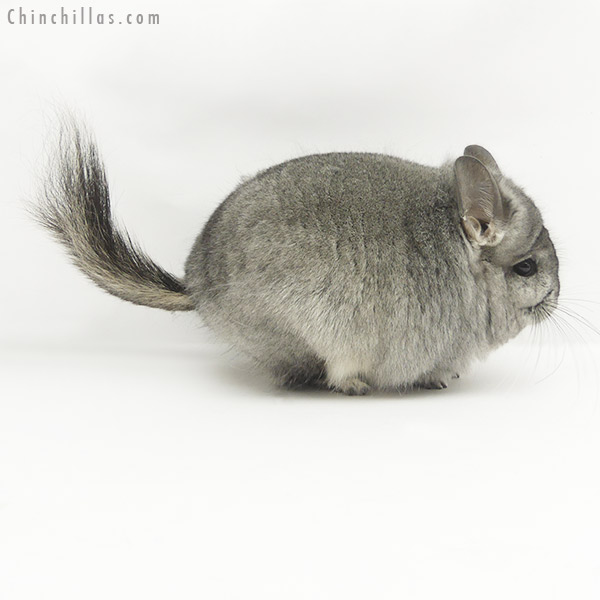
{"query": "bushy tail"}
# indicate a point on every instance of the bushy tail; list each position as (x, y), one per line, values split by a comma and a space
(75, 206)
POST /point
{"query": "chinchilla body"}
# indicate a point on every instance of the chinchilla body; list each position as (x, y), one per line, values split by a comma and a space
(353, 262)
(344, 270)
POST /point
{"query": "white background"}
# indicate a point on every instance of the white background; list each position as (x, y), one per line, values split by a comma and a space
(139, 458)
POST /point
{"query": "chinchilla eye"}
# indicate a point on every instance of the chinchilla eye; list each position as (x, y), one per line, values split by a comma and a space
(526, 268)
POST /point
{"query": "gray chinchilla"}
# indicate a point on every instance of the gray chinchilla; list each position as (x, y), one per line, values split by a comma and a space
(346, 270)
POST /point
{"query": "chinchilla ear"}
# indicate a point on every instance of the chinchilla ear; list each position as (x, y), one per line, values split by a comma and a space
(479, 202)
(484, 157)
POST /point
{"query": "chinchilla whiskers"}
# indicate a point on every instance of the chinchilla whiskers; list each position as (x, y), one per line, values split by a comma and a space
(557, 367)
(547, 322)
(569, 299)
(539, 325)
(568, 312)
(534, 332)
(583, 321)
(562, 321)
(576, 327)
(542, 327)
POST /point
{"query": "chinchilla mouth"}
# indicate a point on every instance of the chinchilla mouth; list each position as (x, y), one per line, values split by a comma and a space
(540, 304)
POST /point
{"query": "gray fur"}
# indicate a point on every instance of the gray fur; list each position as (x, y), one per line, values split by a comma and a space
(354, 270)
(75, 206)
(356, 266)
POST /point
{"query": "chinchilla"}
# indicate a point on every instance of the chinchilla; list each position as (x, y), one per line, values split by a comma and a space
(350, 271)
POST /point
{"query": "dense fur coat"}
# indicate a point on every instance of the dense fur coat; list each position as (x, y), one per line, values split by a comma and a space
(348, 270)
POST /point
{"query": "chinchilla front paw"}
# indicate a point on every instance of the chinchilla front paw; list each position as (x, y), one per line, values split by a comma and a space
(437, 379)
(353, 387)
(432, 384)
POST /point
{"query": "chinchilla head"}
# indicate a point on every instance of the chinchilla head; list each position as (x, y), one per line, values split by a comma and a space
(512, 250)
